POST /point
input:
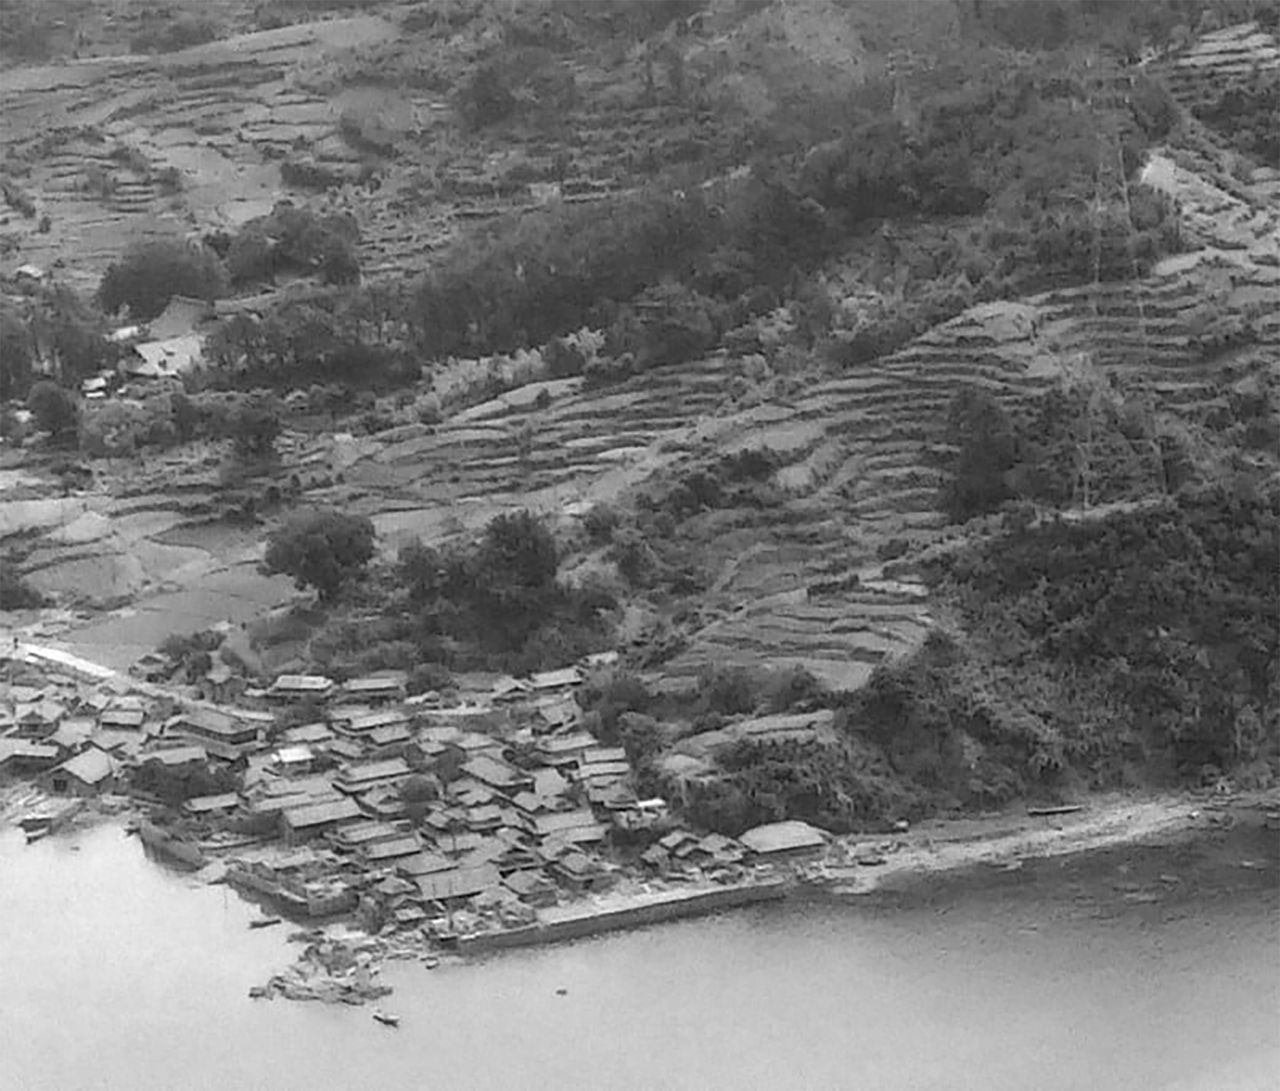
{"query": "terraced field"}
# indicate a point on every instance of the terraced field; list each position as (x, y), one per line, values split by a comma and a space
(794, 582)
(799, 582)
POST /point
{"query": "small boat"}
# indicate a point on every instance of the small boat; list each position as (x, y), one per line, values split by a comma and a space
(386, 1018)
(263, 922)
(36, 835)
(430, 962)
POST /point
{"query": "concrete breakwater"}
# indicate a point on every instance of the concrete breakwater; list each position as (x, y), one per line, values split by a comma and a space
(576, 921)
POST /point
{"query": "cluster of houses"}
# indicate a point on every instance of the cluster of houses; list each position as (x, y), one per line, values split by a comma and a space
(336, 797)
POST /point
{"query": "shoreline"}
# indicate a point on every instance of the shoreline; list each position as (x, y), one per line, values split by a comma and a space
(951, 847)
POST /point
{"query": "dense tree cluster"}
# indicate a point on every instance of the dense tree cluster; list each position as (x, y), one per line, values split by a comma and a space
(151, 273)
(324, 549)
(291, 239)
(500, 601)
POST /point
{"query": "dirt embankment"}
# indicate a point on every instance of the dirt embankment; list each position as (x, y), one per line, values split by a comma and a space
(953, 847)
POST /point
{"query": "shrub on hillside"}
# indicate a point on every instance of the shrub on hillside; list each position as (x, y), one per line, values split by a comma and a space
(295, 240)
(254, 425)
(323, 549)
(55, 409)
(499, 601)
(166, 35)
(15, 354)
(15, 593)
(1170, 615)
(151, 273)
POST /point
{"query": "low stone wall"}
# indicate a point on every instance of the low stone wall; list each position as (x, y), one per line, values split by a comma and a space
(575, 922)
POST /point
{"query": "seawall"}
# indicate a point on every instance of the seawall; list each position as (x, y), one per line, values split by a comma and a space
(576, 921)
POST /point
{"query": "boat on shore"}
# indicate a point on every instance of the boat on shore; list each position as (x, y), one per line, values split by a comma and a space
(163, 843)
(386, 1018)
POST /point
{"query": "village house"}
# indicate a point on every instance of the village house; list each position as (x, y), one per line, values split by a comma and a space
(385, 804)
(423, 863)
(37, 719)
(375, 689)
(363, 724)
(565, 750)
(452, 888)
(354, 779)
(473, 744)
(86, 774)
(177, 758)
(347, 750)
(300, 824)
(354, 836)
(579, 873)
(73, 734)
(300, 687)
(498, 775)
(602, 763)
(21, 756)
(294, 760)
(555, 714)
(784, 841)
(390, 740)
(573, 827)
(170, 358)
(216, 806)
(122, 719)
(532, 888)
(316, 734)
(386, 853)
(220, 685)
(557, 681)
(222, 734)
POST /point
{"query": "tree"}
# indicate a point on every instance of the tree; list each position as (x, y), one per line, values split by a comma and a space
(986, 452)
(15, 355)
(254, 426)
(151, 273)
(324, 549)
(55, 410)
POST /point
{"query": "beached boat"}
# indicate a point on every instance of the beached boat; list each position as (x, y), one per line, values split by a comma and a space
(386, 1018)
(264, 922)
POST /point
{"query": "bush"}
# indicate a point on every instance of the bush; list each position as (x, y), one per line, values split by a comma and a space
(323, 549)
(55, 409)
(986, 451)
(15, 594)
(167, 36)
(15, 355)
(254, 425)
(151, 273)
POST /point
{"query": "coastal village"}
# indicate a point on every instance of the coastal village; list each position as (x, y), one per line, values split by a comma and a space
(418, 825)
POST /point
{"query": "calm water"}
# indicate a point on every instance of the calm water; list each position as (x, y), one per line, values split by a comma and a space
(119, 974)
